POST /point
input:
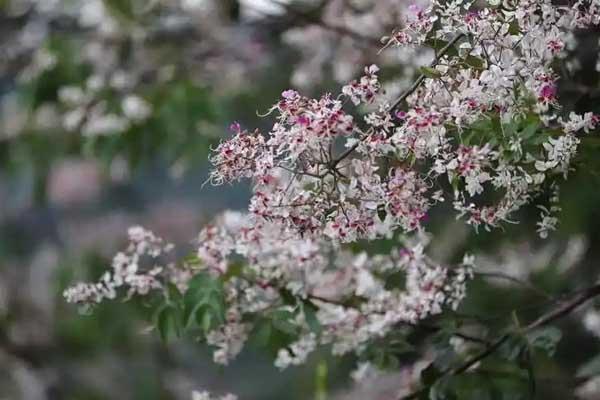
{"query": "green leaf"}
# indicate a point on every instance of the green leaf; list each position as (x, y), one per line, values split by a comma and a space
(168, 322)
(530, 130)
(383, 359)
(192, 259)
(173, 293)
(262, 333)
(204, 303)
(310, 314)
(400, 346)
(285, 326)
(438, 45)
(514, 28)
(475, 62)
(206, 322)
(122, 9)
(430, 72)
(545, 339)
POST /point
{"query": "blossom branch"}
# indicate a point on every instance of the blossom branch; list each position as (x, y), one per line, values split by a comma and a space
(418, 82)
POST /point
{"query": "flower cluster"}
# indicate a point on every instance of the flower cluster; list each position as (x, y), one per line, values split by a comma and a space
(348, 290)
(237, 158)
(297, 183)
(486, 118)
(365, 89)
(128, 273)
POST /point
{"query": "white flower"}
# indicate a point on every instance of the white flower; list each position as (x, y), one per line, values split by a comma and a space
(135, 108)
(201, 395)
(71, 95)
(104, 124)
(205, 395)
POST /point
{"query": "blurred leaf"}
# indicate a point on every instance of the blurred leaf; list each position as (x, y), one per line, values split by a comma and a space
(168, 322)
(430, 72)
(438, 44)
(204, 303)
(475, 62)
(310, 313)
(122, 9)
(283, 321)
(545, 339)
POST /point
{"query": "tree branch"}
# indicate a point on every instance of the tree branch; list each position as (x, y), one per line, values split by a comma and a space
(510, 278)
(564, 308)
(422, 77)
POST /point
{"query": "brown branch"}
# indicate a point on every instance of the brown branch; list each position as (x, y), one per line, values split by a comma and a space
(422, 77)
(484, 354)
(510, 278)
(564, 308)
(458, 334)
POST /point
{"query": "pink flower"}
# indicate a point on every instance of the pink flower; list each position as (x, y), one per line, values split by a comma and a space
(547, 94)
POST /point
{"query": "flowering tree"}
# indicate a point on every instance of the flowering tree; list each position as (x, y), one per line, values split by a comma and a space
(480, 133)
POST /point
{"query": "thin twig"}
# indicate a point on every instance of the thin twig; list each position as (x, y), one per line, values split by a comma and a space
(403, 97)
(526, 284)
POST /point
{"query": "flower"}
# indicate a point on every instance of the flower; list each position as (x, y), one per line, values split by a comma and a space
(135, 108)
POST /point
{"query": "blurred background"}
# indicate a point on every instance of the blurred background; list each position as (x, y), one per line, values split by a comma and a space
(108, 110)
